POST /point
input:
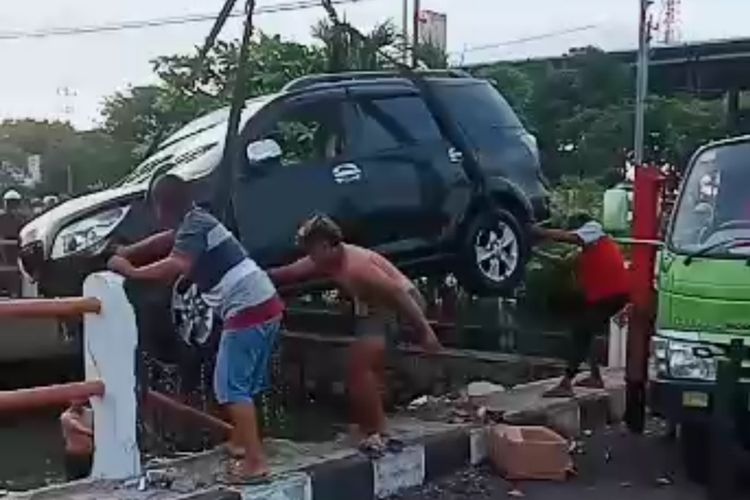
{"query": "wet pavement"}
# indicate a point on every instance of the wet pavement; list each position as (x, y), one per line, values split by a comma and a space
(611, 465)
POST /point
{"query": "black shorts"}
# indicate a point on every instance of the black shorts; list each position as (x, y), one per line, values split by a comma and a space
(77, 466)
(381, 321)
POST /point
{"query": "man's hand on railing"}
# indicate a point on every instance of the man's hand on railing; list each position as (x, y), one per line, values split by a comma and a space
(120, 265)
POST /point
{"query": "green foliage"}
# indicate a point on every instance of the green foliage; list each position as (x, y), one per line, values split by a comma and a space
(344, 52)
(582, 111)
(94, 158)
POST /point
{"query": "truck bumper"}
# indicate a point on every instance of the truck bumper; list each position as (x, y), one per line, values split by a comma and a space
(683, 401)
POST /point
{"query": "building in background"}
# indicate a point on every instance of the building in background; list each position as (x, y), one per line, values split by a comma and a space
(433, 29)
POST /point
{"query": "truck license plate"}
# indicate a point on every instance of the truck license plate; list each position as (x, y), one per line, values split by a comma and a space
(694, 399)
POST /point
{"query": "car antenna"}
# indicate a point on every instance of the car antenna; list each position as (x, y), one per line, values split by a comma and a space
(448, 127)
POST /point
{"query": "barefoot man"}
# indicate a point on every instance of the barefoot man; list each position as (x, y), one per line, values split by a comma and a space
(204, 250)
(381, 294)
(602, 275)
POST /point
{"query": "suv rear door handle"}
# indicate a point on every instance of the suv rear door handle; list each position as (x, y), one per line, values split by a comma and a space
(454, 155)
(346, 173)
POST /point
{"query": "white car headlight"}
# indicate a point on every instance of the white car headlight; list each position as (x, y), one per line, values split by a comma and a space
(84, 233)
(685, 360)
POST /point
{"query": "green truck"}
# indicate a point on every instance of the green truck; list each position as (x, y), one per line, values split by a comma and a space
(703, 290)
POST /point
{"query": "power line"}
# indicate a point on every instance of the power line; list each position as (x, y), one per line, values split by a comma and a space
(162, 21)
(516, 41)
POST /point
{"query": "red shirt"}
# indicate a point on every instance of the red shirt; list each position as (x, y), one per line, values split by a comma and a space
(601, 271)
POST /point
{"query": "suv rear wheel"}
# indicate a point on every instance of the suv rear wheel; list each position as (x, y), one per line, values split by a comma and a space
(493, 254)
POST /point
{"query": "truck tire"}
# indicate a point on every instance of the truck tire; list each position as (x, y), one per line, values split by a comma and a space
(493, 254)
(694, 447)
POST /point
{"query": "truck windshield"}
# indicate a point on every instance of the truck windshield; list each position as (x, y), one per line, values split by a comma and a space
(714, 207)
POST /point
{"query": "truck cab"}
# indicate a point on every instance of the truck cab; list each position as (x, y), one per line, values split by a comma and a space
(703, 296)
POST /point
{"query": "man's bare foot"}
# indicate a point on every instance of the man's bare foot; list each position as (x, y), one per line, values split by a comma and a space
(591, 382)
(238, 472)
(431, 344)
(234, 450)
(373, 446)
(562, 390)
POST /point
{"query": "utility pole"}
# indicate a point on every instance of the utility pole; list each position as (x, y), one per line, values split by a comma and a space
(405, 32)
(415, 35)
(644, 38)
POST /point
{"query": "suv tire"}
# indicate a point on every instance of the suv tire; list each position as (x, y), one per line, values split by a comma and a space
(493, 254)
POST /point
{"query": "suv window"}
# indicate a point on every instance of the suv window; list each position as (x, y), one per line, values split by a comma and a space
(393, 122)
(477, 106)
(309, 132)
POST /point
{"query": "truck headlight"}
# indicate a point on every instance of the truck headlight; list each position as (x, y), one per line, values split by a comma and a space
(84, 233)
(684, 359)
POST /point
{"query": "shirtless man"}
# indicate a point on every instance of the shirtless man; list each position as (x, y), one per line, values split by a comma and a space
(380, 292)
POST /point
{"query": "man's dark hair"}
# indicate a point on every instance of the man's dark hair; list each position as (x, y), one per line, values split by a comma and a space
(578, 219)
(172, 193)
(319, 228)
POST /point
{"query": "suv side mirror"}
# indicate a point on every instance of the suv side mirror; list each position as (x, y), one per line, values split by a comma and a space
(263, 151)
(616, 210)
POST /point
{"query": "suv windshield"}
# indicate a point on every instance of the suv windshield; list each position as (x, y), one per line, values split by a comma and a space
(187, 151)
(714, 208)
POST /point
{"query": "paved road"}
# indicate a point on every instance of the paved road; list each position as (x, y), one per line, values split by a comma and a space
(612, 465)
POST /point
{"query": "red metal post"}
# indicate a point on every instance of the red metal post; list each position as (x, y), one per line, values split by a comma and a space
(48, 396)
(648, 187)
(188, 412)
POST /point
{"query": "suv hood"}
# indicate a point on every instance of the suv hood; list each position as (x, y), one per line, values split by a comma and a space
(46, 226)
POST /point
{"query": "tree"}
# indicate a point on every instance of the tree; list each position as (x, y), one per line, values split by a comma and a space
(582, 111)
(92, 157)
(131, 117)
(344, 52)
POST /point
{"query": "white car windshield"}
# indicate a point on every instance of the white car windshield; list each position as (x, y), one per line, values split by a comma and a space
(193, 150)
(714, 208)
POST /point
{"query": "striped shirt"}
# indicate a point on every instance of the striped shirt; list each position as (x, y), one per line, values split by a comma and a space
(228, 278)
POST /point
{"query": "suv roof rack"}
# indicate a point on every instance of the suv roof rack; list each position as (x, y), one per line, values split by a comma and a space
(307, 81)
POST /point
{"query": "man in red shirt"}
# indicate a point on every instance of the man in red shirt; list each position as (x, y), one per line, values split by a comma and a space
(381, 293)
(603, 277)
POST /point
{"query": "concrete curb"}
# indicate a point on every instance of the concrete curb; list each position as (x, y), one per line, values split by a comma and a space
(433, 450)
(357, 478)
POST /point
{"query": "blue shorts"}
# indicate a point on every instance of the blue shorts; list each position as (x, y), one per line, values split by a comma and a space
(243, 362)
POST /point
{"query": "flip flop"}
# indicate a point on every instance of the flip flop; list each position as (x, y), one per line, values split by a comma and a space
(591, 383)
(230, 479)
(394, 445)
(559, 392)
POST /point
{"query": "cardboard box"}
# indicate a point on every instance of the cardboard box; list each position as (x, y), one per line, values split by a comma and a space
(529, 452)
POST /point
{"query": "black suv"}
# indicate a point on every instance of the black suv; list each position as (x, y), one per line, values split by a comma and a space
(437, 173)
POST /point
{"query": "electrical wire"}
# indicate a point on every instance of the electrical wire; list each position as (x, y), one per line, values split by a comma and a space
(162, 21)
(532, 38)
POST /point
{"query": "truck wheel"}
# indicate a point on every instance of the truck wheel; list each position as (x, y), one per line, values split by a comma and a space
(493, 254)
(694, 446)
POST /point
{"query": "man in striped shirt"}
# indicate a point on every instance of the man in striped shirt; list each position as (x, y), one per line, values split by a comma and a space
(201, 248)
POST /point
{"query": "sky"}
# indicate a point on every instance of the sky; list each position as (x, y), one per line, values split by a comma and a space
(67, 77)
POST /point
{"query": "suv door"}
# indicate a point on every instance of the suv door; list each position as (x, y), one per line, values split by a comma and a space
(416, 186)
(312, 175)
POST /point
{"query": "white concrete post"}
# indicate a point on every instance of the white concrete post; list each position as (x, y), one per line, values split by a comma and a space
(618, 340)
(109, 344)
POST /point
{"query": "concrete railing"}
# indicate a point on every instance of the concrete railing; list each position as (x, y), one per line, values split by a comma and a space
(109, 349)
